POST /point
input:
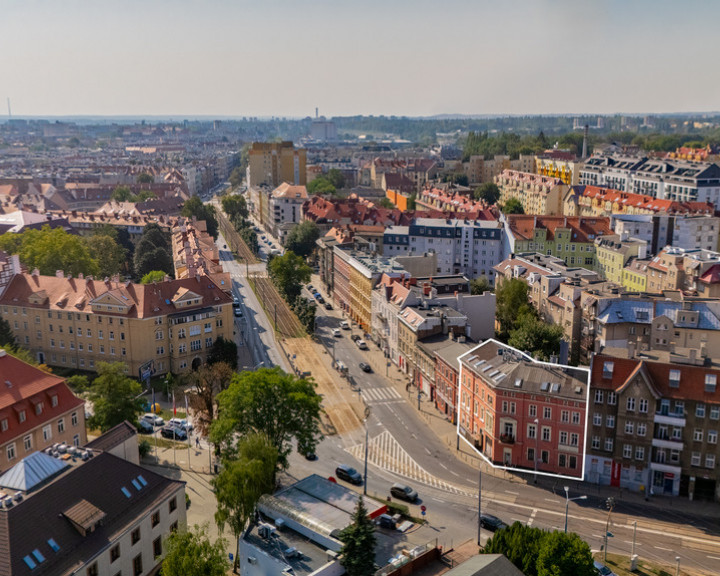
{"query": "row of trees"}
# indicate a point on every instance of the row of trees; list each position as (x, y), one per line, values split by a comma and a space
(235, 207)
(289, 272)
(124, 194)
(328, 183)
(195, 207)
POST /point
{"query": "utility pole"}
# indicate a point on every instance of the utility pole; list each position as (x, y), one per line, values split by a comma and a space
(610, 504)
(479, 503)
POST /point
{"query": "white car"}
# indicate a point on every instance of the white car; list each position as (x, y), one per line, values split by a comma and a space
(181, 423)
(153, 419)
(361, 344)
(336, 332)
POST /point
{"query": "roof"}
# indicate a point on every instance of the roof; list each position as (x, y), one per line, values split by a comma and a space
(78, 294)
(287, 190)
(619, 311)
(691, 385)
(712, 275)
(113, 437)
(84, 489)
(31, 472)
(583, 229)
(486, 565)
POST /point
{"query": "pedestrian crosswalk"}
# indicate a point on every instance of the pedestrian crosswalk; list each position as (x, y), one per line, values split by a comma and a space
(386, 453)
(386, 394)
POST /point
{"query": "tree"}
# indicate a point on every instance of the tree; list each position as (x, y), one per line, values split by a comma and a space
(270, 401)
(412, 202)
(242, 481)
(358, 552)
(121, 194)
(25, 355)
(520, 543)
(533, 335)
(223, 351)
(192, 552)
(109, 255)
(460, 179)
(6, 334)
(50, 250)
(321, 186)
(562, 553)
(511, 299)
(154, 235)
(153, 276)
(195, 207)
(336, 178)
(513, 206)
(488, 192)
(152, 260)
(235, 205)
(305, 311)
(385, 203)
(208, 381)
(289, 272)
(480, 285)
(115, 397)
(302, 238)
(145, 178)
(236, 177)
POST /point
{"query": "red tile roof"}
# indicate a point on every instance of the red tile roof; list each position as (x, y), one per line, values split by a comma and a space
(523, 226)
(648, 203)
(712, 275)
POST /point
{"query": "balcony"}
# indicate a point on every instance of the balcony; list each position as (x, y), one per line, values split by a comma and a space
(667, 443)
(507, 438)
(670, 419)
(665, 468)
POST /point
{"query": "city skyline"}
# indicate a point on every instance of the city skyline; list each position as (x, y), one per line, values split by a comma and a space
(285, 59)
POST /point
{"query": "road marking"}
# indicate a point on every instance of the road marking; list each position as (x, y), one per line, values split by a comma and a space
(714, 557)
(438, 500)
(455, 473)
(661, 548)
(443, 465)
(428, 451)
(551, 500)
(511, 492)
(532, 517)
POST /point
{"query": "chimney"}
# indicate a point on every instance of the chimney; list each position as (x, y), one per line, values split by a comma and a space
(585, 138)
(459, 300)
(426, 289)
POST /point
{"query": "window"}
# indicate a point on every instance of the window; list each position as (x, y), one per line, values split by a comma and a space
(596, 442)
(61, 425)
(10, 451)
(157, 547)
(700, 411)
(3, 424)
(137, 565)
(155, 519)
(695, 459)
(565, 416)
(92, 570)
(679, 407)
(74, 419)
(598, 396)
(172, 505)
(627, 450)
(610, 421)
(576, 417)
(674, 379)
(27, 443)
(631, 404)
(135, 536)
(532, 411)
(643, 406)
(698, 435)
(114, 553)
(563, 437)
(562, 459)
(612, 398)
(710, 461)
(531, 454)
(710, 382)
(47, 432)
(712, 436)
(597, 419)
(547, 413)
(714, 412)
(629, 428)
(641, 429)
(195, 345)
(160, 350)
(546, 433)
(531, 431)
(608, 368)
(608, 444)
(639, 453)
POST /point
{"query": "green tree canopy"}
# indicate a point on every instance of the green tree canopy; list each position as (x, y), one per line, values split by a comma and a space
(109, 255)
(192, 552)
(511, 300)
(520, 543)
(50, 250)
(562, 553)
(7, 337)
(358, 552)
(513, 206)
(194, 207)
(289, 272)
(207, 382)
(489, 192)
(321, 186)
(412, 202)
(115, 397)
(152, 260)
(145, 178)
(236, 177)
(385, 202)
(533, 335)
(336, 178)
(223, 351)
(480, 285)
(241, 482)
(235, 205)
(270, 401)
(302, 238)
(121, 194)
(153, 276)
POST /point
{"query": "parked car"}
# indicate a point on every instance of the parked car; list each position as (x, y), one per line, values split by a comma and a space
(328, 306)
(336, 332)
(354, 337)
(403, 492)
(311, 456)
(173, 432)
(492, 523)
(365, 367)
(238, 313)
(349, 474)
(386, 521)
(345, 325)
(603, 570)
(310, 288)
(144, 427)
(361, 344)
(181, 423)
(152, 419)
(236, 302)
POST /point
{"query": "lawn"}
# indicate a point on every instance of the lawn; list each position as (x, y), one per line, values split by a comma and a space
(621, 566)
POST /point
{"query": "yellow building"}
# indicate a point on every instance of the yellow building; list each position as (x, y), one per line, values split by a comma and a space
(538, 194)
(634, 277)
(563, 167)
(273, 163)
(155, 328)
(612, 254)
(361, 287)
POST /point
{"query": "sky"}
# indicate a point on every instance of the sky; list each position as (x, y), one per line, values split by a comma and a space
(392, 57)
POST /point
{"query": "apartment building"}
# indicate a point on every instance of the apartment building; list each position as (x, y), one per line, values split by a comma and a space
(662, 178)
(272, 163)
(559, 164)
(466, 247)
(613, 252)
(285, 205)
(570, 239)
(634, 275)
(678, 269)
(479, 169)
(93, 514)
(156, 328)
(37, 410)
(688, 232)
(653, 427)
(195, 253)
(538, 194)
(522, 414)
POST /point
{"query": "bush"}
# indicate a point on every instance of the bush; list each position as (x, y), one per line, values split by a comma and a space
(144, 448)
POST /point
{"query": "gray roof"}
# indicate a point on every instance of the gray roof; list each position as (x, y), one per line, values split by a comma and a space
(113, 437)
(31, 472)
(622, 311)
(486, 565)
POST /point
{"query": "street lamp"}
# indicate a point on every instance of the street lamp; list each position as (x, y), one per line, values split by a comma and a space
(677, 566)
(567, 503)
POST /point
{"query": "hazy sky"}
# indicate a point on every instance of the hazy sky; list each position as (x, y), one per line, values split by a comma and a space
(404, 57)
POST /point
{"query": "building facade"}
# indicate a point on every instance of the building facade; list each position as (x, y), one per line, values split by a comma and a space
(538, 194)
(272, 163)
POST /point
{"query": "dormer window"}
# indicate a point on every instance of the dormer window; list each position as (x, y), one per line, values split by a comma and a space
(674, 379)
(710, 383)
(608, 368)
